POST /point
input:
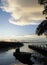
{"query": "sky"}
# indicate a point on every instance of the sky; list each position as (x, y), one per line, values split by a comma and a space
(19, 18)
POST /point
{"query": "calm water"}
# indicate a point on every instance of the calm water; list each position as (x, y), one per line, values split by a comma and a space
(7, 58)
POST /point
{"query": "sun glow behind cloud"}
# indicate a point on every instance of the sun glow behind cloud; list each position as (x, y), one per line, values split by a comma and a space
(23, 12)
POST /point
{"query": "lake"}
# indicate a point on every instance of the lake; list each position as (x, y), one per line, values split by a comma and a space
(7, 58)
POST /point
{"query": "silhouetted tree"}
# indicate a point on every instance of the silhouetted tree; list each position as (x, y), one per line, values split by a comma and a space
(41, 2)
(44, 2)
(42, 27)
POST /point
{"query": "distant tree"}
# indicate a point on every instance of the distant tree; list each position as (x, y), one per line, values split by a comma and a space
(42, 27)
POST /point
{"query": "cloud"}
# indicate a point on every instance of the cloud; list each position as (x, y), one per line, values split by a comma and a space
(29, 36)
(23, 12)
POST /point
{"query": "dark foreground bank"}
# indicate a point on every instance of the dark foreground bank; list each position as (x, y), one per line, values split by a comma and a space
(10, 44)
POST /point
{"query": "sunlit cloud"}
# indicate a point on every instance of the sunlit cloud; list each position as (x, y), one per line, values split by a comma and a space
(23, 12)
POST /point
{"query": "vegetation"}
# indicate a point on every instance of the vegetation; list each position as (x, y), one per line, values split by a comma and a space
(10, 44)
(42, 27)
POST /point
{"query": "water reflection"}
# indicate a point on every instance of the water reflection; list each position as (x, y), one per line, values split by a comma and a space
(7, 58)
(26, 49)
